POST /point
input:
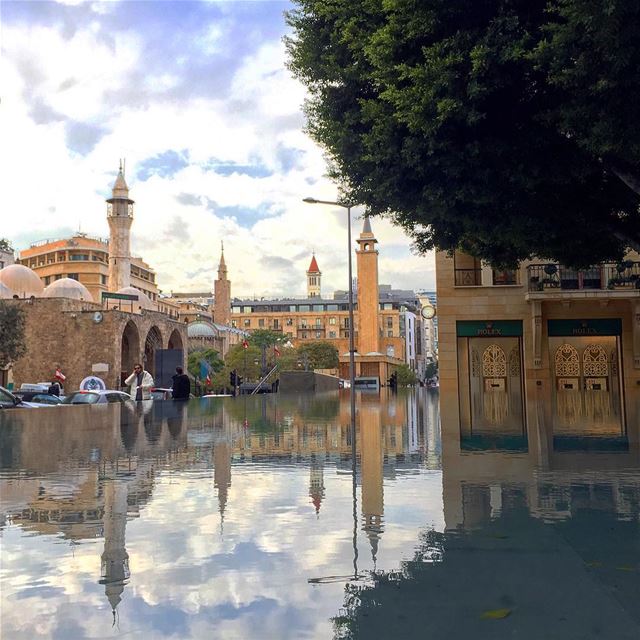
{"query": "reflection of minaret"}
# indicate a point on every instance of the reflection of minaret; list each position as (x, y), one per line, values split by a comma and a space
(222, 294)
(371, 472)
(316, 482)
(114, 559)
(222, 474)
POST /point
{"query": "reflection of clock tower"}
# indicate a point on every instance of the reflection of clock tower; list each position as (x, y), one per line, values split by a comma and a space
(119, 217)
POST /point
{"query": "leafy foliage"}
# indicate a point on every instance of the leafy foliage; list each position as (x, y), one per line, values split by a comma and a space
(318, 354)
(5, 245)
(500, 128)
(210, 356)
(12, 333)
(406, 375)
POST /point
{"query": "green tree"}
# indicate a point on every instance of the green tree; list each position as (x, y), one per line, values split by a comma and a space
(265, 338)
(5, 245)
(210, 356)
(12, 333)
(406, 375)
(318, 354)
(431, 370)
(504, 129)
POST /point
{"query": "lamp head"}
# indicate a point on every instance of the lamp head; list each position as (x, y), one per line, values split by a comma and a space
(310, 200)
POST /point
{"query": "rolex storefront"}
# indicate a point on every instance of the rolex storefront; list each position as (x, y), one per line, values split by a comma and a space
(585, 357)
(490, 378)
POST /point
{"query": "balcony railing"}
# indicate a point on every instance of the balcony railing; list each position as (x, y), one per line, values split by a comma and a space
(555, 277)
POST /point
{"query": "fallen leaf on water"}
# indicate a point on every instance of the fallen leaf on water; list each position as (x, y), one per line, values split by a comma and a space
(626, 568)
(495, 614)
(594, 564)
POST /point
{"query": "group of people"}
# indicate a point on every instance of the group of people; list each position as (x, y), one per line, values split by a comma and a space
(141, 383)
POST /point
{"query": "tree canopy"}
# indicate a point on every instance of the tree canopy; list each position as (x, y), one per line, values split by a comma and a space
(5, 245)
(507, 129)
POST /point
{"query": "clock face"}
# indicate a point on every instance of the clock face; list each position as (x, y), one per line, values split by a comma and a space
(428, 312)
(97, 317)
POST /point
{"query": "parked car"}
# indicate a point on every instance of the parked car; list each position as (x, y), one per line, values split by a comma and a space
(159, 393)
(37, 397)
(10, 401)
(97, 397)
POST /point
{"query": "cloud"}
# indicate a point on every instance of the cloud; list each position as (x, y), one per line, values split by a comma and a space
(165, 164)
(82, 137)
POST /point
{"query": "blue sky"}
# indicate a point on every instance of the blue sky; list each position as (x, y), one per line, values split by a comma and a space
(196, 97)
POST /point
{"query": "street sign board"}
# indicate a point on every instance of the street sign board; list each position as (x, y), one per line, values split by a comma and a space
(119, 296)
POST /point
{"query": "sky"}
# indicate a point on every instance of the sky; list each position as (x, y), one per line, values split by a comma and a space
(196, 97)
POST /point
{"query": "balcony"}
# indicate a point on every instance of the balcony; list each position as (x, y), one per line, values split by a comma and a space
(468, 277)
(554, 278)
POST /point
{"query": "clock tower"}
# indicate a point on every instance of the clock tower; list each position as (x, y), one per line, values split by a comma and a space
(119, 217)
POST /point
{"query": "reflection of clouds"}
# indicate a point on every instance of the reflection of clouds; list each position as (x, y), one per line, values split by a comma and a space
(189, 578)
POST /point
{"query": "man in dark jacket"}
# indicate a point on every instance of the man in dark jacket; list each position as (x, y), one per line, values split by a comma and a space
(181, 385)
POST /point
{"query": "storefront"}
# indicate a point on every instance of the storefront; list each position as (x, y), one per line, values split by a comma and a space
(586, 365)
(490, 378)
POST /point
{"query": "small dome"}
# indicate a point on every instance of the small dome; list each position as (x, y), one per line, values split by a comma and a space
(67, 288)
(143, 299)
(22, 281)
(201, 330)
(5, 292)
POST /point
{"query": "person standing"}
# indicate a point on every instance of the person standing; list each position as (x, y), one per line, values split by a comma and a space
(140, 382)
(181, 385)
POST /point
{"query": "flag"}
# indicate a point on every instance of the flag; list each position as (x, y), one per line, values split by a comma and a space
(208, 380)
(245, 344)
(59, 375)
(276, 351)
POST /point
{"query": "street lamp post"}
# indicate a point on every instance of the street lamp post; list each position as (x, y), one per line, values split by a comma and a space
(352, 363)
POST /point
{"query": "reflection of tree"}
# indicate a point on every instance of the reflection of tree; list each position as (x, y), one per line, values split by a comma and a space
(381, 594)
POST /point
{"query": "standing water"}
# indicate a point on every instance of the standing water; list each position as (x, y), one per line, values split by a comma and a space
(247, 518)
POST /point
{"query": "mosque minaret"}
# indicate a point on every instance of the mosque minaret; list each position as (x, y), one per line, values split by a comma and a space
(119, 217)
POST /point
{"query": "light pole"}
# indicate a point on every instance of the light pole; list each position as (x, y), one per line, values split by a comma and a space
(352, 363)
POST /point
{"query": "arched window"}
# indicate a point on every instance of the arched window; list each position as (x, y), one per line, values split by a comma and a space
(595, 361)
(494, 362)
(567, 361)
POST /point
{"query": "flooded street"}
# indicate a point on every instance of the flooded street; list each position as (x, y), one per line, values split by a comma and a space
(246, 518)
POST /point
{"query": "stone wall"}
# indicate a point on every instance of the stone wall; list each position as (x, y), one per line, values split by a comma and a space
(64, 333)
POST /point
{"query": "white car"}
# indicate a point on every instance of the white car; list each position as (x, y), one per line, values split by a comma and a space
(97, 397)
(9, 401)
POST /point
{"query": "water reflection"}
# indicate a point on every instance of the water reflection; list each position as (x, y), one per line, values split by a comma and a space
(244, 519)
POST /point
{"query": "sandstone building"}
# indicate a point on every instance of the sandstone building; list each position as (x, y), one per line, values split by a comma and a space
(542, 343)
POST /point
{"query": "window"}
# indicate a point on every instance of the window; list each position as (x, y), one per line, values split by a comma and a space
(332, 320)
(289, 334)
(304, 307)
(318, 307)
(389, 323)
(346, 323)
(332, 334)
(47, 280)
(261, 322)
(467, 269)
(304, 334)
(236, 310)
(247, 322)
(505, 277)
(79, 256)
(246, 309)
(389, 334)
(346, 334)
(289, 322)
(73, 276)
(318, 322)
(293, 308)
(62, 256)
(303, 323)
(318, 334)
(332, 307)
(387, 306)
(276, 323)
(103, 279)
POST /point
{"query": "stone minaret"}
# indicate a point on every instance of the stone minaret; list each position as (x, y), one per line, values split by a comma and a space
(222, 294)
(368, 300)
(313, 279)
(119, 217)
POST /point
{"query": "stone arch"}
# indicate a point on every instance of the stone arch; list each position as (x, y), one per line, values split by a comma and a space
(175, 341)
(152, 343)
(129, 350)
(567, 361)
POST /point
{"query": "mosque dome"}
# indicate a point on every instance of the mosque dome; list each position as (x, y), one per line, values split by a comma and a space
(5, 292)
(201, 330)
(21, 280)
(67, 288)
(143, 299)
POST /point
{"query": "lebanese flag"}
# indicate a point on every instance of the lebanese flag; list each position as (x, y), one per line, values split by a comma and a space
(276, 351)
(208, 380)
(245, 344)
(59, 375)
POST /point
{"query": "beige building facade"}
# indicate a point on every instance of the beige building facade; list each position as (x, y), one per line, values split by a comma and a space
(562, 339)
